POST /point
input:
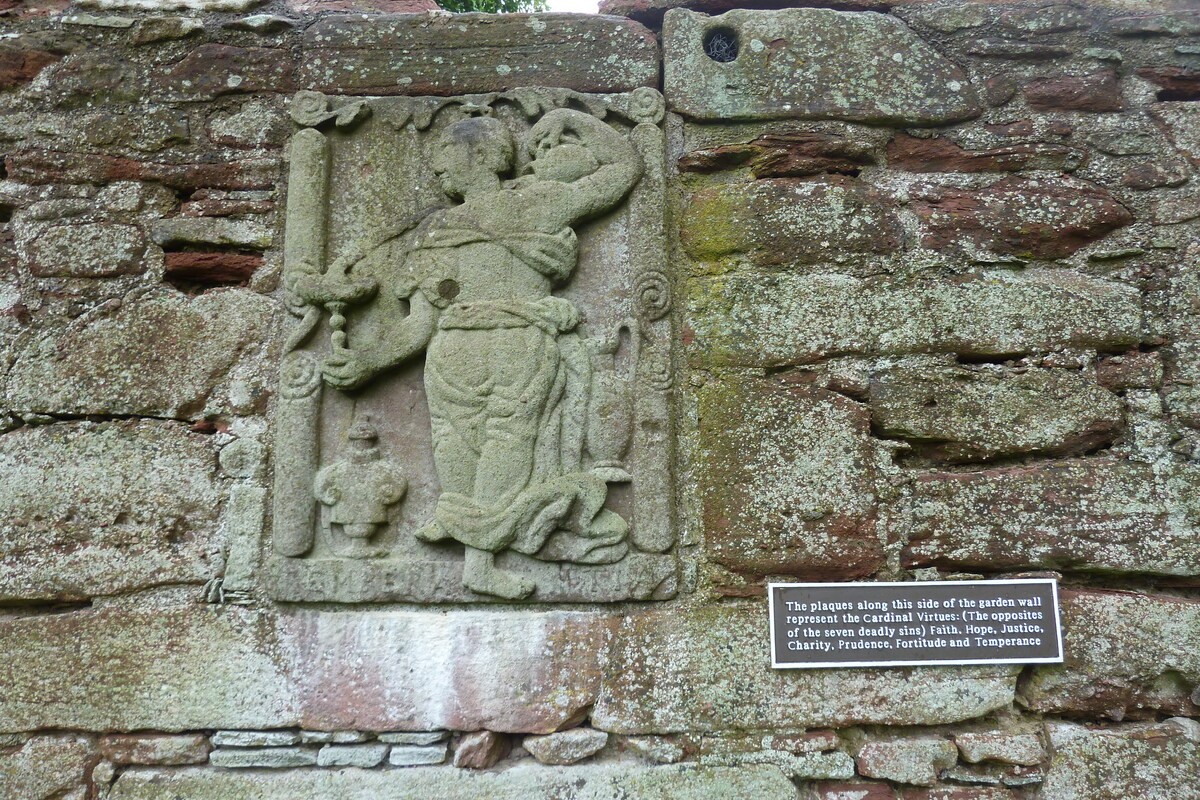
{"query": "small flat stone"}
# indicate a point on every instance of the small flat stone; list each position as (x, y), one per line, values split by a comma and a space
(262, 23)
(254, 738)
(413, 737)
(481, 749)
(335, 737)
(158, 29)
(1017, 51)
(143, 749)
(352, 755)
(854, 791)
(412, 755)
(211, 231)
(916, 761)
(263, 758)
(1012, 748)
(566, 747)
(98, 21)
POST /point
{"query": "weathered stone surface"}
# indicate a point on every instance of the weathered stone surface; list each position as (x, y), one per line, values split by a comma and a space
(166, 668)
(785, 481)
(812, 63)
(22, 58)
(1182, 123)
(1099, 513)
(939, 154)
(1127, 655)
(212, 70)
(41, 167)
(263, 757)
(1026, 217)
(481, 749)
(352, 755)
(357, 54)
(413, 755)
(45, 767)
(1149, 764)
(1179, 24)
(751, 320)
(88, 251)
(190, 748)
(102, 508)
(584, 782)
(508, 670)
(671, 672)
(1011, 748)
(1098, 91)
(261, 122)
(1156, 174)
(957, 413)
(157, 353)
(566, 747)
(1052, 18)
(1131, 370)
(786, 222)
(784, 155)
(918, 761)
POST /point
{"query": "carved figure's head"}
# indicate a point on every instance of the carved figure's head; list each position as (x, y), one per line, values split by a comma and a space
(565, 162)
(471, 155)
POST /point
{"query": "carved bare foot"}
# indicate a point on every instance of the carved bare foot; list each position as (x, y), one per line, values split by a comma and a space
(481, 575)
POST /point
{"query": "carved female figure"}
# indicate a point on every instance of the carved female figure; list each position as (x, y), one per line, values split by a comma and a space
(506, 373)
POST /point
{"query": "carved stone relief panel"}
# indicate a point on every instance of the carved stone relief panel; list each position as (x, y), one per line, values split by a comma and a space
(474, 395)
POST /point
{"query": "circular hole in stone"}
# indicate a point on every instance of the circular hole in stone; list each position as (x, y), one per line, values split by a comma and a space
(721, 44)
(448, 289)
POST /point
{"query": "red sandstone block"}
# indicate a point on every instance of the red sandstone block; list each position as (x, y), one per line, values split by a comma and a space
(1098, 91)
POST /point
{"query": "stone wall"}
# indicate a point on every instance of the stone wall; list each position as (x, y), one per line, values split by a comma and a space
(934, 278)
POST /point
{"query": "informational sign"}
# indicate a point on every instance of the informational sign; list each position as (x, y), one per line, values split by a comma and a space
(916, 623)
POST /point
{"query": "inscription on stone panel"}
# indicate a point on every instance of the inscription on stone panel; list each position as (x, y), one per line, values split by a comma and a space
(474, 396)
(925, 622)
